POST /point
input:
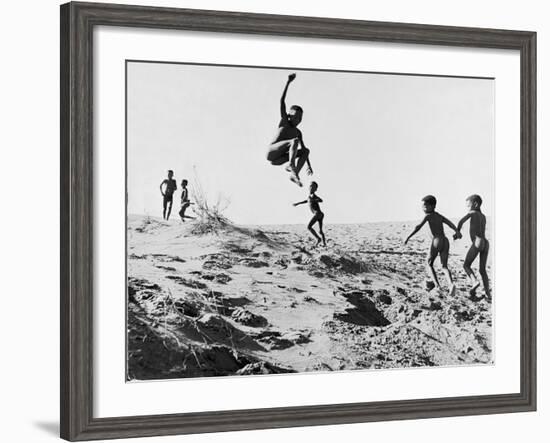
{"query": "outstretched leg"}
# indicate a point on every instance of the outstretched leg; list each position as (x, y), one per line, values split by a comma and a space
(482, 271)
(468, 260)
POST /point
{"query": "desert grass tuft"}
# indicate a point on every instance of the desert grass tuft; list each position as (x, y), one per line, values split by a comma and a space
(210, 216)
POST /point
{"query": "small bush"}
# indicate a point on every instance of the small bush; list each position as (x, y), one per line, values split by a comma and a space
(210, 218)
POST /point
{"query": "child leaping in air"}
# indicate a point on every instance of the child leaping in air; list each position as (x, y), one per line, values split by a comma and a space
(288, 144)
(440, 243)
(480, 245)
(318, 215)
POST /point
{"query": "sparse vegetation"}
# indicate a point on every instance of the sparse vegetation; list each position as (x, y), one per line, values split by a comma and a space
(210, 216)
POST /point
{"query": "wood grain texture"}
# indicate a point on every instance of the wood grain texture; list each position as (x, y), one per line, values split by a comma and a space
(77, 23)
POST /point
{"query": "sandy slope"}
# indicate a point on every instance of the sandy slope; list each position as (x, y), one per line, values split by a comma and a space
(249, 300)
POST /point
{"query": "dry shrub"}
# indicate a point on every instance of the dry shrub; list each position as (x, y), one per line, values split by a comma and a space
(210, 218)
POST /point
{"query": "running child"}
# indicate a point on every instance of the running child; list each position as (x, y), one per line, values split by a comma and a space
(480, 244)
(170, 187)
(288, 144)
(440, 243)
(318, 215)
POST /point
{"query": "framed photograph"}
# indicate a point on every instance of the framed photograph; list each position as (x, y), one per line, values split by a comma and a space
(272, 221)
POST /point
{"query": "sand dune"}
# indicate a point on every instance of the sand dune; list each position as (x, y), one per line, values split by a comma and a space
(260, 300)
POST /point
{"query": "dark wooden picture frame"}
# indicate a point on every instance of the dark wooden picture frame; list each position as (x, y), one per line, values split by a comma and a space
(77, 23)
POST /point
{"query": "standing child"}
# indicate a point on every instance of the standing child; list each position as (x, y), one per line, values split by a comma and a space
(170, 187)
(440, 243)
(185, 203)
(318, 215)
(480, 245)
(288, 144)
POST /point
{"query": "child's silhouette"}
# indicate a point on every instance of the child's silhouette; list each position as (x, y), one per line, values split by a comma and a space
(318, 215)
(440, 243)
(480, 245)
(288, 144)
(170, 187)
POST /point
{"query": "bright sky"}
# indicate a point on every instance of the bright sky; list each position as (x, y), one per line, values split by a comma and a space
(378, 143)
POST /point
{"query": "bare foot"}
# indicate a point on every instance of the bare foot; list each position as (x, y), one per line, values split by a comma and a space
(473, 290)
(473, 295)
(294, 178)
(475, 298)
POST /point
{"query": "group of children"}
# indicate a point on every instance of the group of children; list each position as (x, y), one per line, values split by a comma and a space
(170, 186)
(440, 243)
(288, 147)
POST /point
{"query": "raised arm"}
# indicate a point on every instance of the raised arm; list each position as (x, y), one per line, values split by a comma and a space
(291, 77)
(299, 203)
(417, 228)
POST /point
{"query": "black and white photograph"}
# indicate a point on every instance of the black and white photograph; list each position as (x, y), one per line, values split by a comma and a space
(284, 220)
